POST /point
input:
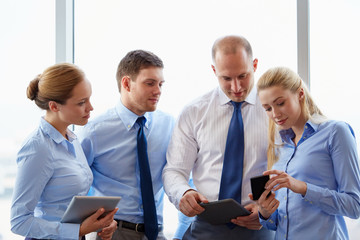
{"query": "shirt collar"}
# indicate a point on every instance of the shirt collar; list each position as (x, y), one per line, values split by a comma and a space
(129, 118)
(309, 129)
(250, 99)
(54, 134)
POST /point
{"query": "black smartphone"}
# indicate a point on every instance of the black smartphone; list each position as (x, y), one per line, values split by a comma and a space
(258, 185)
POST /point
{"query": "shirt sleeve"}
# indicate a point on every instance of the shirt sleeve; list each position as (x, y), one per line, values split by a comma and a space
(34, 172)
(87, 144)
(271, 222)
(346, 199)
(181, 155)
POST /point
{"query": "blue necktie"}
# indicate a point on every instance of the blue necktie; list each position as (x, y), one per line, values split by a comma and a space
(232, 172)
(147, 194)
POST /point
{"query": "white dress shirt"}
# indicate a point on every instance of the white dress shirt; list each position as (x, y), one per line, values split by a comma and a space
(198, 145)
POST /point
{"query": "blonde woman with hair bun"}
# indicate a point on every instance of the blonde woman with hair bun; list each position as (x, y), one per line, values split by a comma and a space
(314, 165)
(52, 167)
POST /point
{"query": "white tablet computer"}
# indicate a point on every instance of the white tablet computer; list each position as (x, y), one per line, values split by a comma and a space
(82, 207)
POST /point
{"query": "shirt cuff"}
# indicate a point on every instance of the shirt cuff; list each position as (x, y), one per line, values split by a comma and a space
(268, 223)
(69, 231)
(180, 194)
(312, 193)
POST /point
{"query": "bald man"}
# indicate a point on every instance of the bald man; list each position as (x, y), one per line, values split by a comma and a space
(199, 141)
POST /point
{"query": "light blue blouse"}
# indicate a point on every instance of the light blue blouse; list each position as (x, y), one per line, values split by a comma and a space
(51, 170)
(326, 159)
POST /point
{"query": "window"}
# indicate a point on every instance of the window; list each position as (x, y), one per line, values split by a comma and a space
(27, 47)
(334, 48)
(182, 34)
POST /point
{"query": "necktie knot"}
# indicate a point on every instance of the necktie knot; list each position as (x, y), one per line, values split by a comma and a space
(237, 105)
(141, 121)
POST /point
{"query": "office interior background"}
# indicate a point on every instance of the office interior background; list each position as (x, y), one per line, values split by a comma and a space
(181, 33)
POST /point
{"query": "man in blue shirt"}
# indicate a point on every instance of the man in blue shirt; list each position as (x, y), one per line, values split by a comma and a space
(110, 143)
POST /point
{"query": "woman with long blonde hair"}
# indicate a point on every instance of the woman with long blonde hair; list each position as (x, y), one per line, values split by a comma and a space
(314, 166)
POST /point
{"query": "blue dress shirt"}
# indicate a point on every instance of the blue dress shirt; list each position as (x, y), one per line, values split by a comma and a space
(109, 143)
(326, 160)
(51, 170)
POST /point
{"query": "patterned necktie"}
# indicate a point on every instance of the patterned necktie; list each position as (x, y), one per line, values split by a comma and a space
(231, 178)
(147, 194)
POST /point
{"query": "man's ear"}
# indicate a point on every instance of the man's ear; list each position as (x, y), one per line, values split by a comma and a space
(255, 64)
(54, 106)
(125, 82)
(213, 68)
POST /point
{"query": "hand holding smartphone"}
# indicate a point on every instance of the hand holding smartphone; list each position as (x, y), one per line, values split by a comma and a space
(258, 185)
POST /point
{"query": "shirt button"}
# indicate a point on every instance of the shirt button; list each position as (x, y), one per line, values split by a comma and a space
(285, 216)
(129, 126)
(284, 198)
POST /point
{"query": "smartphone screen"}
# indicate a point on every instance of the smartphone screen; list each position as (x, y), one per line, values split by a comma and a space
(258, 185)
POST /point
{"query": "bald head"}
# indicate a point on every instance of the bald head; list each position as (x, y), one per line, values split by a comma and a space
(230, 45)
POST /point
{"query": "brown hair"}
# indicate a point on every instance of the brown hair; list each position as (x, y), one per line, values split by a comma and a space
(231, 44)
(135, 61)
(54, 84)
(288, 80)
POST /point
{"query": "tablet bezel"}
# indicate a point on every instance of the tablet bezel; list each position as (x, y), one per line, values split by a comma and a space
(82, 207)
